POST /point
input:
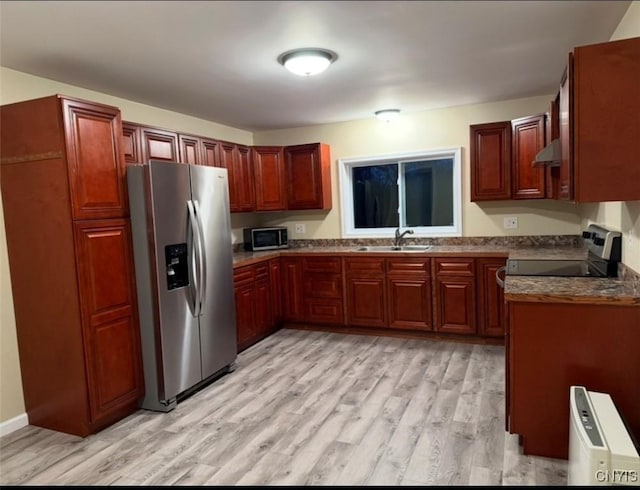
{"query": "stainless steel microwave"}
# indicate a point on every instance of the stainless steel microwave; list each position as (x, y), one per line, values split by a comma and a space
(256, 239)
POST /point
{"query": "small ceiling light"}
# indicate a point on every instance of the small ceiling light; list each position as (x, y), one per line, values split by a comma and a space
(308, 61)
(387, 115)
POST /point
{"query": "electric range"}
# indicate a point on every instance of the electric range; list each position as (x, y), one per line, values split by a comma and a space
(603, 254)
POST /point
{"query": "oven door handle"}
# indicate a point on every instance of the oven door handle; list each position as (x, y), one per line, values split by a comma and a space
(499, 280)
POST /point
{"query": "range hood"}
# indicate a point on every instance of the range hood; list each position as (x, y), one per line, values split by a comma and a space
(549, 156)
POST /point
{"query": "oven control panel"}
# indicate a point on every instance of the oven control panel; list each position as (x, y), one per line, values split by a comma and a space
(604, 244)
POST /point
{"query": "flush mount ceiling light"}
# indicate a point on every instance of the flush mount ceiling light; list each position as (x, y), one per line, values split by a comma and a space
(308, 61)
(387, 115)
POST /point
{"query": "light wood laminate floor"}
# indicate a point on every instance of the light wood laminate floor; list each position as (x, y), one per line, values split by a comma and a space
(308, 408)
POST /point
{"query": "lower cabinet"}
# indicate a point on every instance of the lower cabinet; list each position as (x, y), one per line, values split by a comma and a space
(292, 306)
(366, 293)
(254, 309)
(322, 290)
(409, 294)
(455, 295)
(490, 298)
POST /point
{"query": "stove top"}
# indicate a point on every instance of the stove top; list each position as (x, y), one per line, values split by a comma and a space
(603, 248)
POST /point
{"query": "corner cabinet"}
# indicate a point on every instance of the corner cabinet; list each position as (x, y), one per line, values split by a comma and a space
(308, 176)
(599, 125)
(71, 262)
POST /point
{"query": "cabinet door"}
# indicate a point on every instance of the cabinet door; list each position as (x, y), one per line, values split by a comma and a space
(552, 132)
(211, 153)
(409, 303)
(275, 277)
(109, 315)
(527, 181)
(308, 176)
(190, 149)
(158, 144)
(245, 314)
(228, 157)
(490, 298)
(263, 320)
(565, 111)
(366, 300)
(292, 304)
(490, 161)
(455, 305)
(244, 180)
(95, 159)
(268, 167)
(131, 143)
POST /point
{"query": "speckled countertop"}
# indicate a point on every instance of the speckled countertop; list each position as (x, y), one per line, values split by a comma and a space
(624, 290)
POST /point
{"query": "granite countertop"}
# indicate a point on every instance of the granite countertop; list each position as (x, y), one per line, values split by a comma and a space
(622, 291)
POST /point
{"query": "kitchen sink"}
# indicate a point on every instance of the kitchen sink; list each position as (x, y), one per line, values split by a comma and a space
(393, 248)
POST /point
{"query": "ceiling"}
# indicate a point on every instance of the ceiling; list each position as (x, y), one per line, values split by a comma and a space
(218, 60)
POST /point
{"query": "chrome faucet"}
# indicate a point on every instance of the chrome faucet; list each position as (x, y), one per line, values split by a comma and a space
(400, 236)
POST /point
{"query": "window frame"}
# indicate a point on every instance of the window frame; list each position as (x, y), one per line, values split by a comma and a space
(346, 165)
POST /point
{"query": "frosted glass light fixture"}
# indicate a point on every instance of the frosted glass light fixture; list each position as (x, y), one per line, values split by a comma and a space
(387, 115)
(308, 61)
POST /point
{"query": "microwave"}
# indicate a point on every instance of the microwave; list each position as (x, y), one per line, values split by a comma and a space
(256, 239)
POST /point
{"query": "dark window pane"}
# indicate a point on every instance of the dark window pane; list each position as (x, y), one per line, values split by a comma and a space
(429, 193)
(375, 196)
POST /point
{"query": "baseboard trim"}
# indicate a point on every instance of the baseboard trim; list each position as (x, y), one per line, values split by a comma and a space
(11, 425)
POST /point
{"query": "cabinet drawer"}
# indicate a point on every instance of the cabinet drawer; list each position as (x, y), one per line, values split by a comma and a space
(243, 274)
(321, 285)
(408, 266)
(324, 311)
(364, 266)
(454, 267)
(321, 264)
(261, 271)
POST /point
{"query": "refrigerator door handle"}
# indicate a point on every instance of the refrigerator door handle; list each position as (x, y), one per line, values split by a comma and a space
(195, 260)
(202, 289)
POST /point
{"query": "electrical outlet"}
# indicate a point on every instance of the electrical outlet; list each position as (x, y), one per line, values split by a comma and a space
(300, 227)
(510, 223)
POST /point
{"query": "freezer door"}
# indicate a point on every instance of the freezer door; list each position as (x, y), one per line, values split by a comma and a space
(177, 333)
(210, 194)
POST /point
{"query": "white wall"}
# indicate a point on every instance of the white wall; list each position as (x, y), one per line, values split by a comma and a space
(442, 128)
(621, 216)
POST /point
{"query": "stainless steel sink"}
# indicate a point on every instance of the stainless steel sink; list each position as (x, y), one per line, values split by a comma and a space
(393, 248)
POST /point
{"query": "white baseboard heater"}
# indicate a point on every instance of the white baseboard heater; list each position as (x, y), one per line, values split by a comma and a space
(601, 450)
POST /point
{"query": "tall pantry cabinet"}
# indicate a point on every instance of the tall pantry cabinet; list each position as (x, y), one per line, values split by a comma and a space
(71, 264)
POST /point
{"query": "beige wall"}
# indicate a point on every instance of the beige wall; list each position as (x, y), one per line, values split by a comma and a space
(443, 128)
(16, 86)
(621, 216)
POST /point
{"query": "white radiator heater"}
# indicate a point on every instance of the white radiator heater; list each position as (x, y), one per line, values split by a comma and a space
(601, 451)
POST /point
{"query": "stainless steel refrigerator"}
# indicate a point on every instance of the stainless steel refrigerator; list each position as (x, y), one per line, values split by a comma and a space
(184, 277)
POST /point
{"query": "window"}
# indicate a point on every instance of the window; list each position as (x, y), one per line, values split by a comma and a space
(420, 191)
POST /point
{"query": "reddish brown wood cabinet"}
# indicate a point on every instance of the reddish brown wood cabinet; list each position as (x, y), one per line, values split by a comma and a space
(308, 176)
(599, 123)
(190, 149)
(236, 159)
(490, 161)
(254, 313)
(131, 143)
(159, 144)
(501, 159)
(409, 294)
(366, 294)
(455, 295)
(556, 345)
(275, 276)
(210, 151)
(268, 168)
(292, 288)
(322, 290)
(528, 138)
(71, 262)
(490, 298)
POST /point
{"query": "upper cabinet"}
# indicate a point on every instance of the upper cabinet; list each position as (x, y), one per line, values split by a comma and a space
(159, 144)
(236, 159)
(308, 171)
(502, 155)
(599, 104)
(268, 168)
(190, 149)
(131, 143)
